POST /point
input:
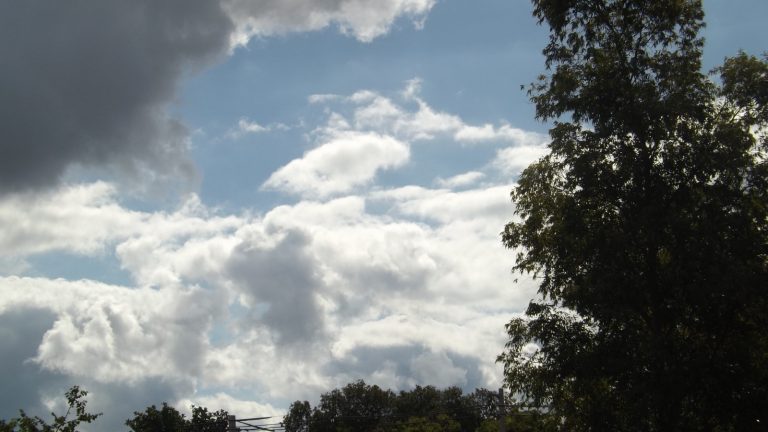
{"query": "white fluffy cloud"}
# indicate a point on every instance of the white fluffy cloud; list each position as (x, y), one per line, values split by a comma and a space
(377, 135)
(360, 271)
(346, 160)
(80, 219)
(362, 19)
(412, 119)
(460, 180)
(117, 334)
(512, 160)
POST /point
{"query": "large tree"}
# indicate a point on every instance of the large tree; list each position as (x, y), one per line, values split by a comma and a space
(646, 226)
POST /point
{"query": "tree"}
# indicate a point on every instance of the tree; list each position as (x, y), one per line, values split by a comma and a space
(356, 407)
(298, 417)
(362, 407)
(440, 423)
(646, 225)
(169, 419)
(165, 419)
(75, 401)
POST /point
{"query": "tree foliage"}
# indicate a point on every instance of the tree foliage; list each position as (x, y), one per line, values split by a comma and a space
(69, 422)
(169, 419)
(362, 407)
(165, 419)
(646, 225)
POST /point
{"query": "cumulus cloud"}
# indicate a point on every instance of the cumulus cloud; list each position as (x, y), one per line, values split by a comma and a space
(362, 19)
(439, 369)
(80, 219)
(307, 289)
(411, 118)
(88, 220)
(111, 333)
(346, 160)
(447, 206)
(383, 114)
(503, 133)
(377, 135)
(459, 180)
(283, 278)
(512, 160)
(401, 367)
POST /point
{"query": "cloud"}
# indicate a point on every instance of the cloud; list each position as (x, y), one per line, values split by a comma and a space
(460, 180)
(396, 285)
(412, 119)
(282, 277)
(80, 219)
(88, 84)
(246, 127)
(39, 391)
(447, 206)
(503, 133)
(412, 89)
(363, 19)
(351, 153)
(401, 367)
(439, 369)
(346, 160)
(305, 288)
(240, 408)
(322, 98)
(88, 220)
(512, 160)
(116, 334)
(382, 114)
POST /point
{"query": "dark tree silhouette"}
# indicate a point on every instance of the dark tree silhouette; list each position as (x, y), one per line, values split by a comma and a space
(646, 226)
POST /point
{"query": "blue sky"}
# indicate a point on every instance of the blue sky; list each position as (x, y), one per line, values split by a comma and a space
(243, 203)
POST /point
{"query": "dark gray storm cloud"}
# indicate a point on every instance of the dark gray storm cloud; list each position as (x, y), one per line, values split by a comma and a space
(284, 279)
(88, 82)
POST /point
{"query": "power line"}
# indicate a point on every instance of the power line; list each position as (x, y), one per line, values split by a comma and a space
(253, 424)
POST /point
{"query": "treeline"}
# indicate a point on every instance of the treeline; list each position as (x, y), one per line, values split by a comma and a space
(152, 419)
(362, 407)
(357, 407)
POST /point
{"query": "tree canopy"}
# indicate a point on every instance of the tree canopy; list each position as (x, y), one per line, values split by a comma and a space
(646, 226)
(362, 407)
(152, 419)
(169, 419)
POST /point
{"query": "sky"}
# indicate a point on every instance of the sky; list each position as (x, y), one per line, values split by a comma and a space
(242, 203)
